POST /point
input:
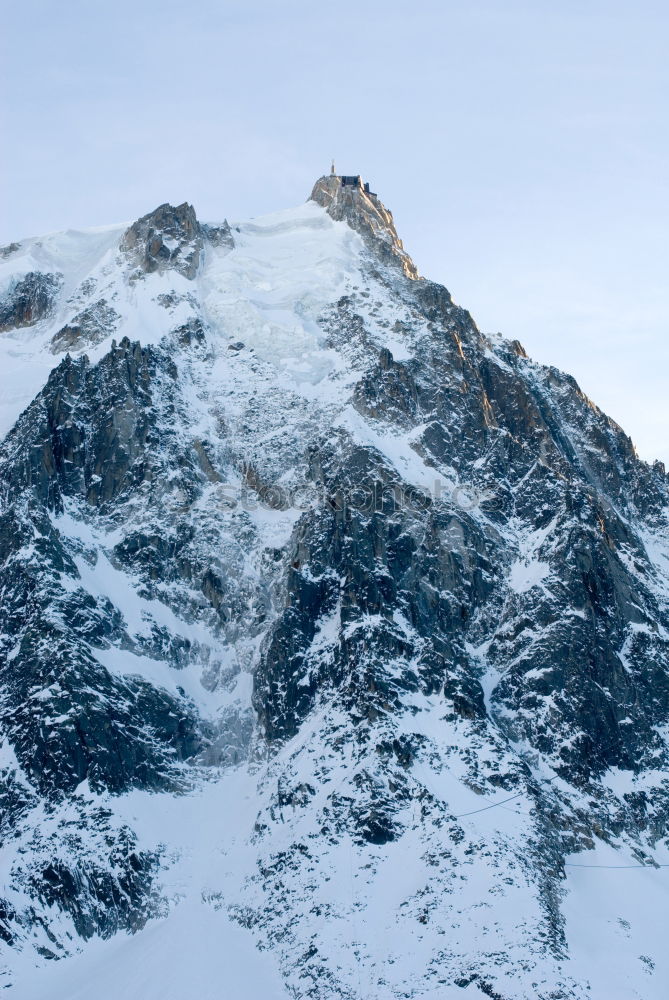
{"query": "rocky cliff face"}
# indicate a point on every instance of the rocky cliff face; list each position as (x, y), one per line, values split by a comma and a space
(28, 300)
(170, 238)
(303, 572)
(363, 211)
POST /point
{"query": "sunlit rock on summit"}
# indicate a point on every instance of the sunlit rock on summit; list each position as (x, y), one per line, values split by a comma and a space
(349, 198)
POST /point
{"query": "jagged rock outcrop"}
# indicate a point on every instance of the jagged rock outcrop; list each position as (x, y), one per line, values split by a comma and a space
(88, 328)
(363, 211)
(29, 300)
(171, 237)
(166, 237)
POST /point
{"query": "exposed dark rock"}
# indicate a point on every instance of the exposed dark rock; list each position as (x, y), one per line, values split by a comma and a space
(86, 867)
(29, 300)
(168, 237)
(92, 429)
(355, 559)
(191, 333)
(88, 328)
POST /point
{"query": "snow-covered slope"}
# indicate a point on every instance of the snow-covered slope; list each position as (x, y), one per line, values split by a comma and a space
(333, 632)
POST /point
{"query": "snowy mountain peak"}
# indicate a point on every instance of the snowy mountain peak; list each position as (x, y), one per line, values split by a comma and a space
(348, 197)
(327, 624)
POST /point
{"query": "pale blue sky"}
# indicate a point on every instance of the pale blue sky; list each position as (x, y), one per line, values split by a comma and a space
(522, 147)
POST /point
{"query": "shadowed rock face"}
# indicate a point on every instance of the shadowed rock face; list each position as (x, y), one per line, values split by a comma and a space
(463, 402)
(365, 213)
(87, 437)
(29, 300)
